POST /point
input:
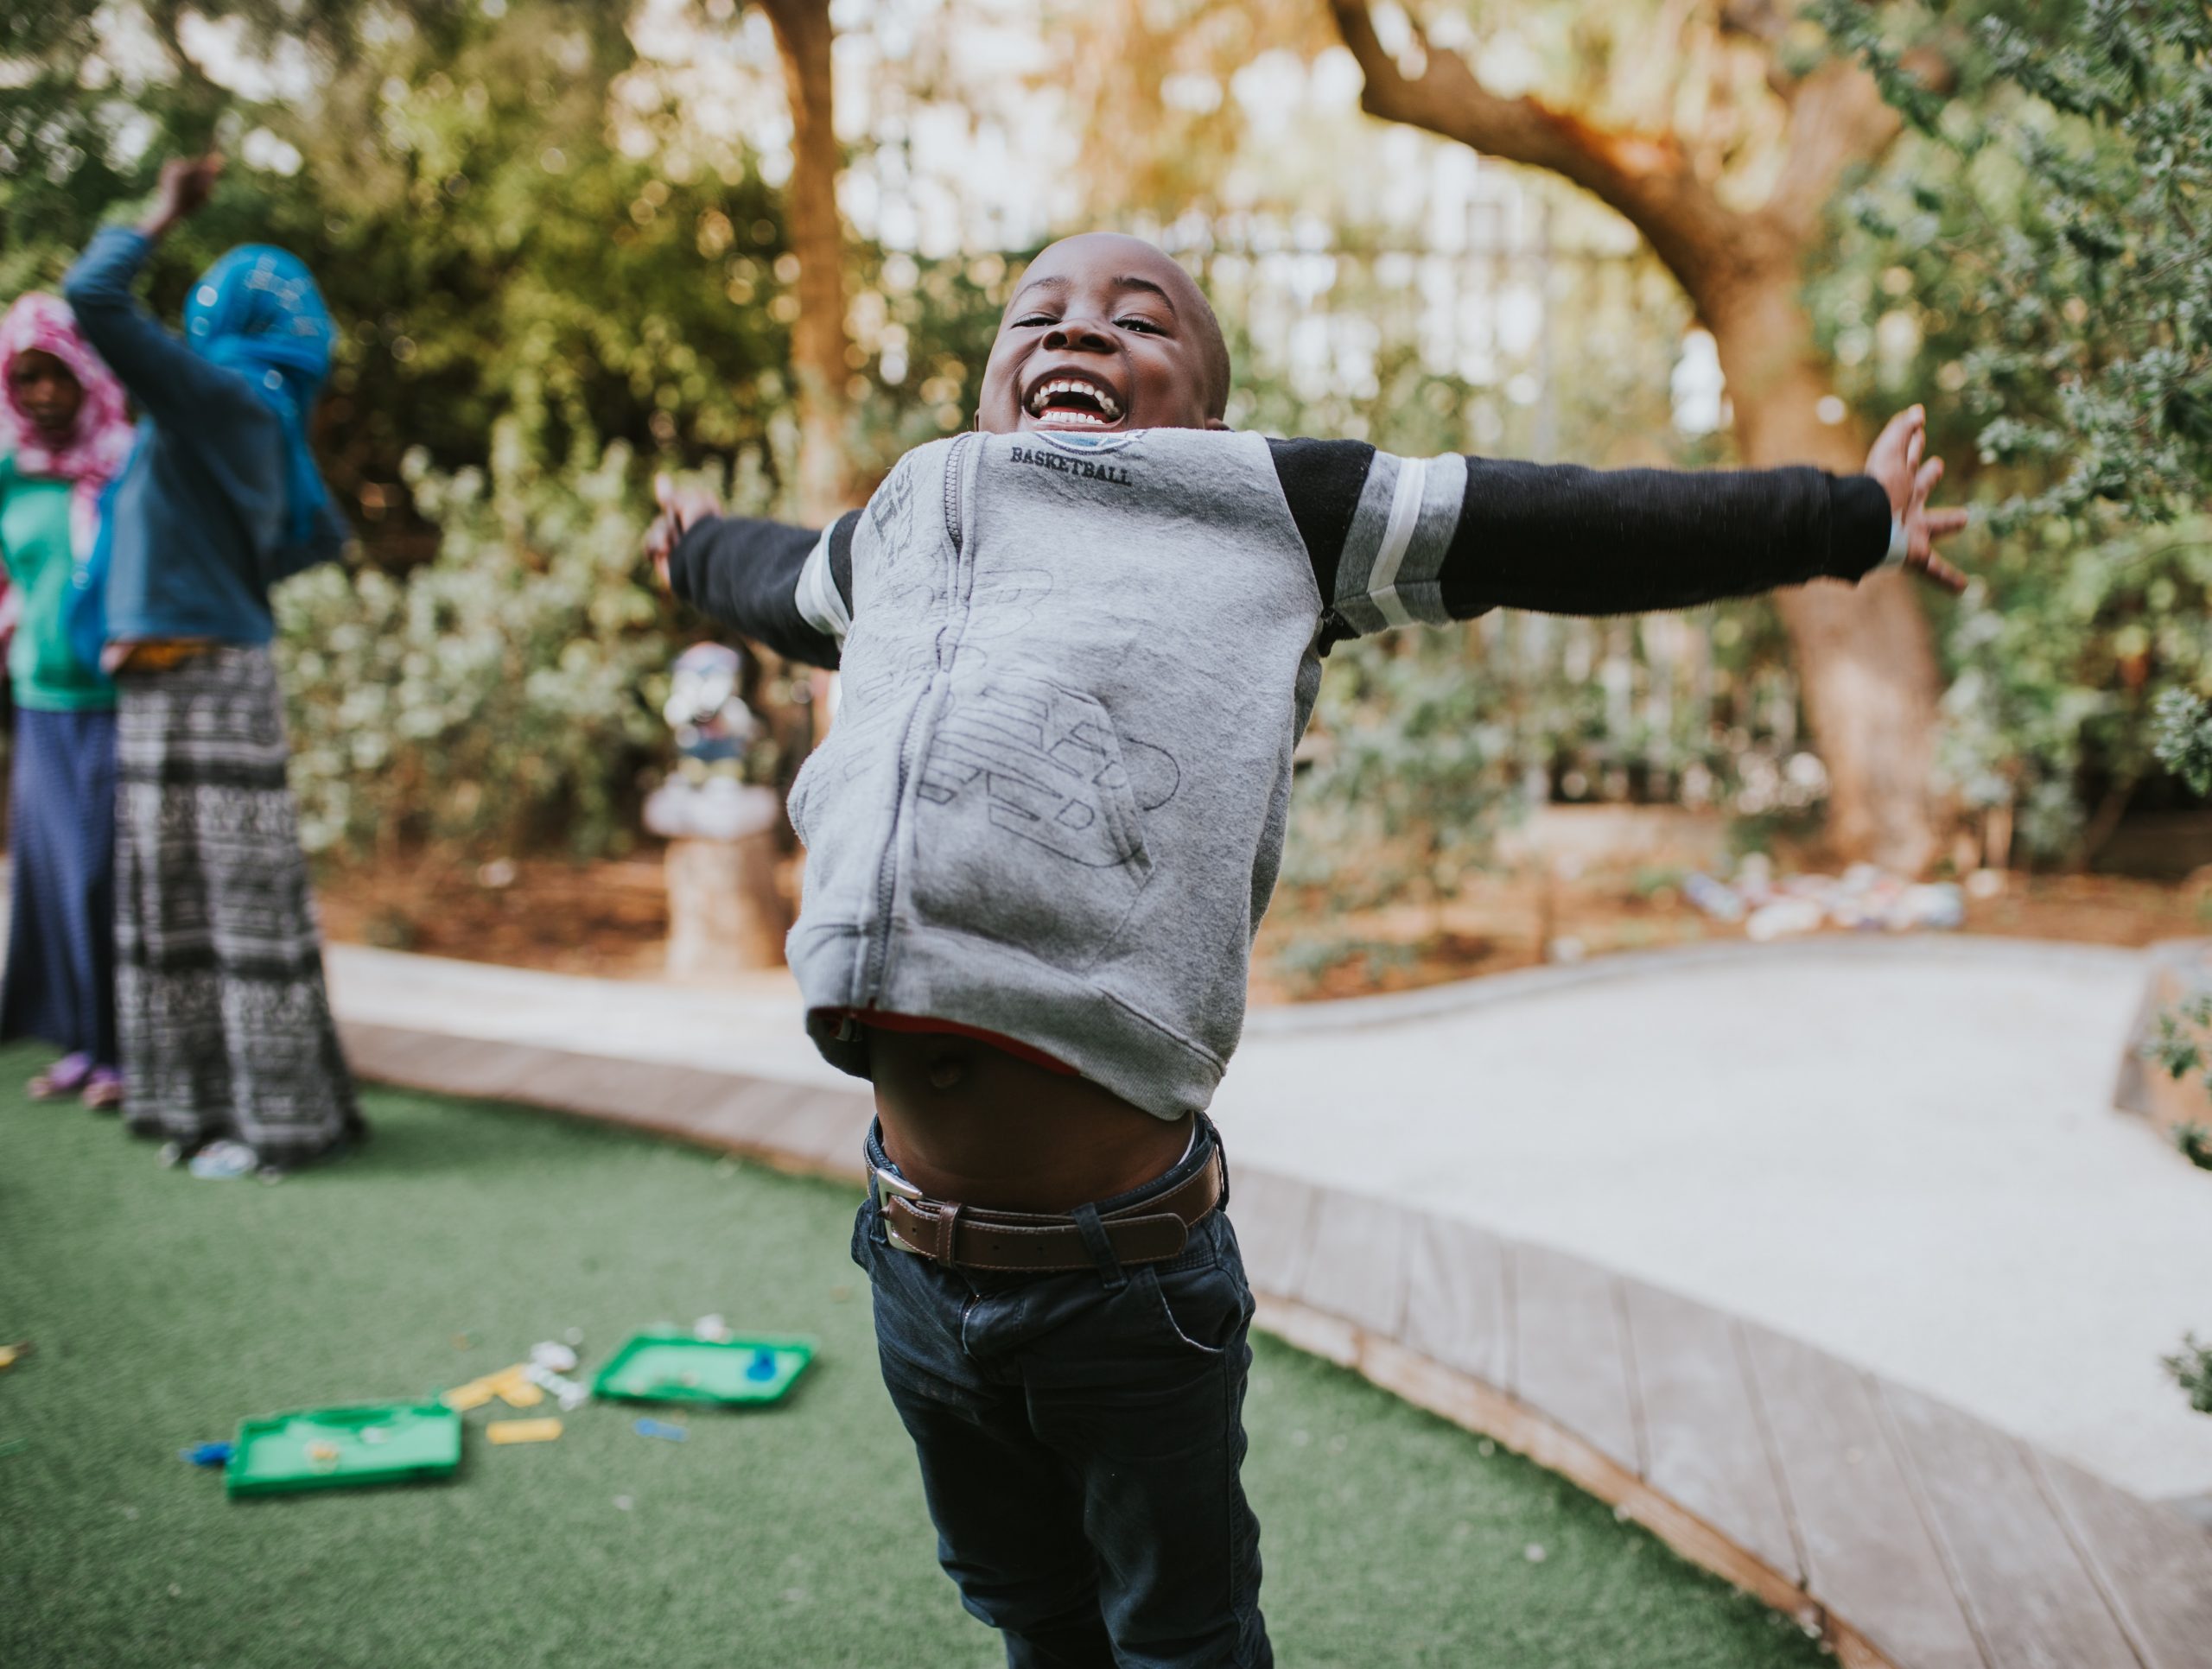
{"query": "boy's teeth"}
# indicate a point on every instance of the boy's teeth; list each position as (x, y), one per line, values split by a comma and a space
(1070, 385)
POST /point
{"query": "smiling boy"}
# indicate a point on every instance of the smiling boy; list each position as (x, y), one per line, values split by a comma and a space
(1078, 647)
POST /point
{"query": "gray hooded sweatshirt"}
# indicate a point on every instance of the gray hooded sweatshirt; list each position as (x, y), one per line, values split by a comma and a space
(1075, 668)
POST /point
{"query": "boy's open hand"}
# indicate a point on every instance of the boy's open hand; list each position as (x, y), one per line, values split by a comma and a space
(680, 508)
(1896, 463)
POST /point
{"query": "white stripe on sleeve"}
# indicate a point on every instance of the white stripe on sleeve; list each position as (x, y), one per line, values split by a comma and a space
(819, 605)
(1397, 536)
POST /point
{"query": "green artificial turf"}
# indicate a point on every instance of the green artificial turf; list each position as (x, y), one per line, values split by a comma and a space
(162, 1309)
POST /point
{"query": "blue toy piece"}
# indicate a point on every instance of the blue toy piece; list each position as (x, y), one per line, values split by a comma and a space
(209, 1455)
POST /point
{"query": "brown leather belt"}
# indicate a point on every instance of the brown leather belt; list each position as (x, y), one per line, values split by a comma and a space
(1151, 1231)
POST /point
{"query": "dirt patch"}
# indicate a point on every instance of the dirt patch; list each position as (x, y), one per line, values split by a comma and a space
(606, 919)
(611, 920)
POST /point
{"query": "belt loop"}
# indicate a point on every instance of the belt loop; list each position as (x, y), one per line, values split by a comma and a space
(1101, 1247)
(949, 1218)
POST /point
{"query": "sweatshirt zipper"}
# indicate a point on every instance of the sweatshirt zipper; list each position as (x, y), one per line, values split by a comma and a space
(886, 868)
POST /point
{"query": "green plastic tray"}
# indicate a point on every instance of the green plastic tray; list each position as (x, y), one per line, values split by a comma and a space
(377, 1443)
(676, 1368)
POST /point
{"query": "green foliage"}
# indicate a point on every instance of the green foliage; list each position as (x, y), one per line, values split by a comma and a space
(2183, 738)
(501, 696)
(547, 284)
(2033, 264)
(2191, 1367)
(2178, 1046)
(2194, 1143)
(2060, 210)
(2053, 655)
(509, 220)
(1412, 771)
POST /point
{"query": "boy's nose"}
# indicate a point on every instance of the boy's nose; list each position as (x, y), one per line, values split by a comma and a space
(1087, 335)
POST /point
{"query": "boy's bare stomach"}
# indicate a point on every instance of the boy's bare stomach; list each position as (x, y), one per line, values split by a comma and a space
(968, 1122)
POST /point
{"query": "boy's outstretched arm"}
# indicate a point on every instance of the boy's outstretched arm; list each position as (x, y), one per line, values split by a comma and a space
(1396, 540)
(788, 588)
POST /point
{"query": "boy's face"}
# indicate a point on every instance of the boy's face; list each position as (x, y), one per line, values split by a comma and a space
(1104, 333)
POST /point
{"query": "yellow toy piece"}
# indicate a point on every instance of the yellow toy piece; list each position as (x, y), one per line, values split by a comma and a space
(543, 1430)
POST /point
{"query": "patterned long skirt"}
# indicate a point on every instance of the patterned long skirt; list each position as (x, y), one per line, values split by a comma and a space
(227, 1027)
(60, 978)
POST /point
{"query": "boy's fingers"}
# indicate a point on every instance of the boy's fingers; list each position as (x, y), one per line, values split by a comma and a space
(665, 490)
(1940, 522)
(1940, 573)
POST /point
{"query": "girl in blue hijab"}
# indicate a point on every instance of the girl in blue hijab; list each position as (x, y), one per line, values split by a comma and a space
(229, 1052)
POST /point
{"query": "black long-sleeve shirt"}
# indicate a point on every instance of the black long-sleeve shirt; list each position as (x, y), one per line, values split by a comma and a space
(1557, 538)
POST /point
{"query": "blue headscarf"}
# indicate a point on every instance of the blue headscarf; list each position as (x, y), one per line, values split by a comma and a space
(258, 312)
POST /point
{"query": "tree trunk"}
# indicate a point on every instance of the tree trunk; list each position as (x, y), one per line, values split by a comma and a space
(804, 40)
(1865, 659)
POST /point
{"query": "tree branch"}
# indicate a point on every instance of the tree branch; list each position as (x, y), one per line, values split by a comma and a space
(1837, 120)
(805, 41)
(1645, 176)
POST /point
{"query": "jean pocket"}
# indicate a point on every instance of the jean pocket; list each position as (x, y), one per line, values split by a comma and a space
(1205, 1307)
(865, 1233)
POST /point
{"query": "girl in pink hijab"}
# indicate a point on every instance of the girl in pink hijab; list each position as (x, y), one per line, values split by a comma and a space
(64, 435)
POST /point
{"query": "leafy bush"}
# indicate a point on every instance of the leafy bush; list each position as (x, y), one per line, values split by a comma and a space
(2183, 738)
(2034, 255)
(2191, 1367)
(2055, 655)
(503, 695)
(1412, 769)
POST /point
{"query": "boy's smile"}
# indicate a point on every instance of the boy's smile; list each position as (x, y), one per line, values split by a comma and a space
(1105, 332)
(1071, 399)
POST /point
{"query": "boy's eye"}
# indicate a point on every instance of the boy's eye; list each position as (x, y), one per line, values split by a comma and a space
(1138, 321)
(1032, 320)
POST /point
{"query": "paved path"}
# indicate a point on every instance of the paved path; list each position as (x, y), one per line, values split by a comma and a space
(1901, 1151)
(1908, 1530)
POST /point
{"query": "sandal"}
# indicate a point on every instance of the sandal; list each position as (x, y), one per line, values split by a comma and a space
(103, 1090)
(65, 1077)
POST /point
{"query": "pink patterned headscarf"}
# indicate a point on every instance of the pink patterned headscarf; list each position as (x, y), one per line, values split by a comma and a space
(97, 447)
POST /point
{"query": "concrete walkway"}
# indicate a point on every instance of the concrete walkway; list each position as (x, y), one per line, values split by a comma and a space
(1900, 1151)
(1906, 1531)
(1903, 1151)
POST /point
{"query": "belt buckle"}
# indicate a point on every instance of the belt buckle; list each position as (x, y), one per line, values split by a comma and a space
(882, 1180)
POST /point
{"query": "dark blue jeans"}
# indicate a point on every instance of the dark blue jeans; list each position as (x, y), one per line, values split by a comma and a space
(1080, 1437)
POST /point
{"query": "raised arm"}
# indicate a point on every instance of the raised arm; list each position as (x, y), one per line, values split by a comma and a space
(787, 588)
(1396, 540)
(172, 384)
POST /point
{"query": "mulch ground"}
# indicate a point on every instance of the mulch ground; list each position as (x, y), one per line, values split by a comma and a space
(611, 920)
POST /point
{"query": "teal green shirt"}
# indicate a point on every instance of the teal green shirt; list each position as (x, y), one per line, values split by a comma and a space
(34, 541)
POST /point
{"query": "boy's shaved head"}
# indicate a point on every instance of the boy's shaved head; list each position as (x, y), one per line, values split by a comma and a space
(1106, 332)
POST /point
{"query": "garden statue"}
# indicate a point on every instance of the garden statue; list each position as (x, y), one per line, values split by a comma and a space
(726, 914)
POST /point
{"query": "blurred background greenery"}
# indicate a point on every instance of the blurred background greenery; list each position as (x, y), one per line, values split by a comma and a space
(571, 244)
